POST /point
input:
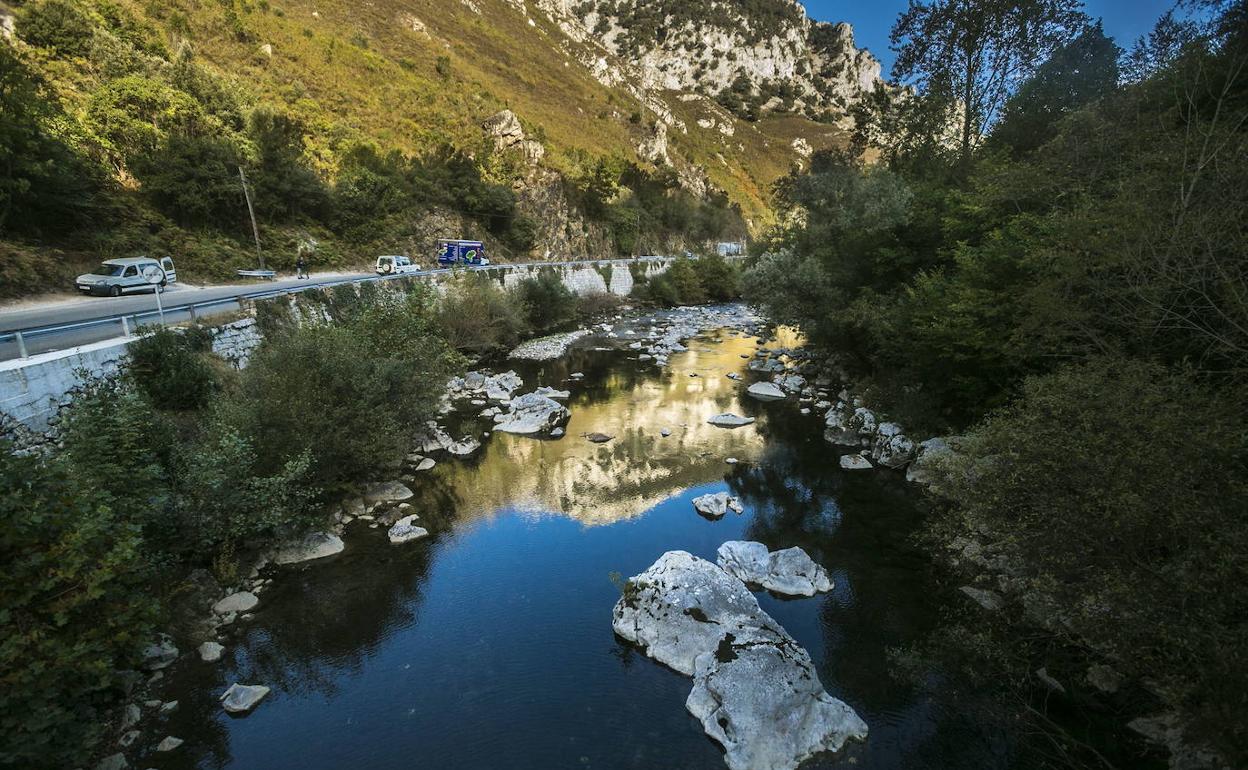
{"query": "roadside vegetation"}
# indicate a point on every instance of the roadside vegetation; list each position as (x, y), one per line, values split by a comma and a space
(1064, 281)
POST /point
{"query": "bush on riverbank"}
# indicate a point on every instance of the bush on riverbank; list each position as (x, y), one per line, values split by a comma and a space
(478, 317)
(692, 282)
(73, 587)
(548, 304)
(1111, 510)
(1073, 291)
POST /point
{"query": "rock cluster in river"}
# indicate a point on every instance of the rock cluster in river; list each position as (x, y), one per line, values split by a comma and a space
(532, 413)
(548, 348)
(790, 571)
(755, 690)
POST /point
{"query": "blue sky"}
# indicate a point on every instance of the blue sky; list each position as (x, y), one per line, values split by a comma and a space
(1124, 20)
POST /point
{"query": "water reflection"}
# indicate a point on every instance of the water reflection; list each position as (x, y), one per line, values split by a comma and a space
(599, 484)
(489, 645)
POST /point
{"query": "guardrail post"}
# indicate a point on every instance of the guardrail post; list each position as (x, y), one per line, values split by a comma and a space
(21, 345)
(125, 327)
(191, 308)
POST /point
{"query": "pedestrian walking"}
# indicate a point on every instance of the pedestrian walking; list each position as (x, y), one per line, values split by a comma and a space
(301, 268)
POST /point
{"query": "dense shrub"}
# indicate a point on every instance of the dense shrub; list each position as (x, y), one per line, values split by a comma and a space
(56, 24)
(119, 446)
(75, 611)
(366, 384)
(224, 500)
(171, 368)
(1119, 493)
(719, 279)
(478, 316)
(547, 302)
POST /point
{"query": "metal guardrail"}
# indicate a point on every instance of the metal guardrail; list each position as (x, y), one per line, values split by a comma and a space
(129, 322)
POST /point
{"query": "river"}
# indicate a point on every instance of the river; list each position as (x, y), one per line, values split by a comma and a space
(489, 644)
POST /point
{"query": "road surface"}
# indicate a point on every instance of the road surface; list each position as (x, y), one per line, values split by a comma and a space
(175, 300)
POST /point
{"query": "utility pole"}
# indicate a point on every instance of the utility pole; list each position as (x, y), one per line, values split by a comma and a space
(252, 212)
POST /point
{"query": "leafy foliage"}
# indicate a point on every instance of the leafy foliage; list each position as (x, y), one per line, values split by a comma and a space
(75, 611)
(478, 317)
(547, 302)
(170, 368)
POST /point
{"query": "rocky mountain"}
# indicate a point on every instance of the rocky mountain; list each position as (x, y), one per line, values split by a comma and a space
(593, 112)
(753, 56)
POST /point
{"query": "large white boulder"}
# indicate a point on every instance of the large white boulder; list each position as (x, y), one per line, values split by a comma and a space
(765, 391)
(790, 571)
(755, 689)
(210, 652)
(501, 386)
(533, 413)
(838, 431)
(314, 545)
(717, 504)
(760, 697)
(681, 606)
(893, 450)
(384, 492)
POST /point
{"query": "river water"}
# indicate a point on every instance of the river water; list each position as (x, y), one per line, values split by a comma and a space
(489, 644)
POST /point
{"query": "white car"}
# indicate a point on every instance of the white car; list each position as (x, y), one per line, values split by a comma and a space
(115, 277)
(395, 265)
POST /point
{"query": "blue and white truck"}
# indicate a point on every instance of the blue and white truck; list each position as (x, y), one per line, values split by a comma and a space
(455, 252)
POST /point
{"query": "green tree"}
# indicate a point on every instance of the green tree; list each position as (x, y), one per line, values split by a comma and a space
(194, 180)
(1080, 72)
(57, 24)
(44, 181)
(285, 187)
(75, 610)
(973, 53)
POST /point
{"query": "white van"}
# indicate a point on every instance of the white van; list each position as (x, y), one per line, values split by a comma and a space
(395, 265)
(115, 277)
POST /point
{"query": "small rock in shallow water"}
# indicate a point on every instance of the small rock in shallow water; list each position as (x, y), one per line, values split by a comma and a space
(210, 652)
(169, 743)
(556, 433)
(765, 391)
(717, 504)
(241, 698)
(405, 530)
(790, 571)
(665, 432)
(113, 762)
(598, 438)
(730, 421)
(236, 602)
(855, 463)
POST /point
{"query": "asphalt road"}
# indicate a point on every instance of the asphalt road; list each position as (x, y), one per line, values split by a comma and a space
(85, 309)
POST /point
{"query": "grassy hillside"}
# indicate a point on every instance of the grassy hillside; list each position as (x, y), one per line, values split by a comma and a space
(358, 124)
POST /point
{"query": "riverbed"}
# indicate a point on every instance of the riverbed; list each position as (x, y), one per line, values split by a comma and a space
(489, 644)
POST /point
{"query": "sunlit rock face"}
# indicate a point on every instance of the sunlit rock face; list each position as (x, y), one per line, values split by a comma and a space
(708, 46)
(605, 483)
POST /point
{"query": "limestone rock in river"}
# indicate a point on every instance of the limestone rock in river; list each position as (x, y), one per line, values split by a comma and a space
(855, 463)
(210, 652)
(169, 743)
(790, 571)
(314, 545)
(755, 689)
(766, 391)
(549, 392)
(387, 492)
(760, 697)
(548, 348)
(598, 438)
(533, 413)
(681, 606)
(237, 602)
(405, 530)
(113, 762)
(241, 698)
(717, 504)
(730, 420)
